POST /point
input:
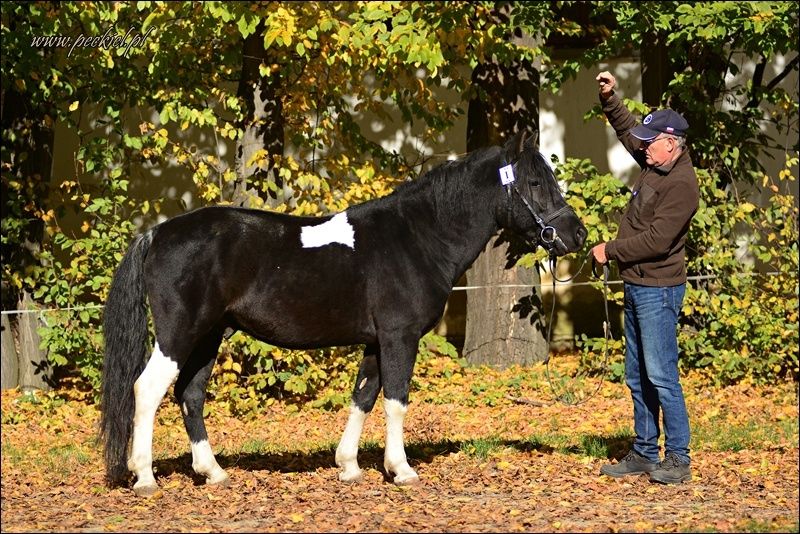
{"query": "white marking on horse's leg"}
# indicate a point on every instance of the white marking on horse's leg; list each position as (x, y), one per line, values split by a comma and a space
(335, 230)
(347, 451)
(394, 460)
(204, 463)
(149, 389)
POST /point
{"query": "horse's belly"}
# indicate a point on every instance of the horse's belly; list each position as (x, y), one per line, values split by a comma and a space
(298, 319)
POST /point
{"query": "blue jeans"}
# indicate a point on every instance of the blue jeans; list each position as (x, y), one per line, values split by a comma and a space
(651, 369)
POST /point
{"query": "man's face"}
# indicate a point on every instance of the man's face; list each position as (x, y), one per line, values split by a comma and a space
(659, 151)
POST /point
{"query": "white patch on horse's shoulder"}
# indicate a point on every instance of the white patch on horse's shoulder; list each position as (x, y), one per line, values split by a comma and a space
(335, 230)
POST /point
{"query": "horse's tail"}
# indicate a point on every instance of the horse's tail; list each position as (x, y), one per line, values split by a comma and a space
(127, 345)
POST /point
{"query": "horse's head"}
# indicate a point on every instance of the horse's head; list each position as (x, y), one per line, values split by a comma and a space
(533, 205)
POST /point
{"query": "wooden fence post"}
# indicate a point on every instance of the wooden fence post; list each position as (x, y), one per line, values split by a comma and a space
(34, 369)
(9, 372)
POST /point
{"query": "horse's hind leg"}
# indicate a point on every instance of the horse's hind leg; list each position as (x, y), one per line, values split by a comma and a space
(148, 390)
(190, 394)
(368, 385)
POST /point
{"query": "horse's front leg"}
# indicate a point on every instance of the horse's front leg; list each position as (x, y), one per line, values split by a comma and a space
(368, 385)
(398, 354)
(148, 390)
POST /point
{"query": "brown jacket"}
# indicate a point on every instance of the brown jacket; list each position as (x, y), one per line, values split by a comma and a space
(650, 244)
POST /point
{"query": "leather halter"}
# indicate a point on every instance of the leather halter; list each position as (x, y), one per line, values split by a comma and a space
(548, 236)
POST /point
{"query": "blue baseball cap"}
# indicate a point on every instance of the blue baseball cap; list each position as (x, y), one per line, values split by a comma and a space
(658, 122)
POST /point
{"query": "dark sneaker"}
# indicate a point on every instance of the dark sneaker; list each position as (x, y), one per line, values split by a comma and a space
(671, 471)
(632, 464)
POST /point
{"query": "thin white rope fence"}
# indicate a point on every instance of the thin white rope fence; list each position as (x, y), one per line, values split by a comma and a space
(457, 288)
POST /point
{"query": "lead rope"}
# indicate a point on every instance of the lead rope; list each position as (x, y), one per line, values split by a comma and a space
(564, 398)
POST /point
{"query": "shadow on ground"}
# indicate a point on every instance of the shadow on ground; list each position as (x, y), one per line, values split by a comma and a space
(370, 455)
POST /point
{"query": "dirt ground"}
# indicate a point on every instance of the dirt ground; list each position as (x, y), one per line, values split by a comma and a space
(283, 477)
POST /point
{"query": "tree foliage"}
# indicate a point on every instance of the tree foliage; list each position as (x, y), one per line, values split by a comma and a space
(141, 109)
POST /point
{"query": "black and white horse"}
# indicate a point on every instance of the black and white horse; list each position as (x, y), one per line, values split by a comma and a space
(377, 274)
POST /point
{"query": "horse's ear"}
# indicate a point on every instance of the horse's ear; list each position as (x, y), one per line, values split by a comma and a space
(532, 138)
(524, 139)
(519, 144)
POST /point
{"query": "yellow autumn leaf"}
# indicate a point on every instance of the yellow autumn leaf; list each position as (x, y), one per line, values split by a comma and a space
(73, 106)
(747, 207)
(577, 203)
(296, 518)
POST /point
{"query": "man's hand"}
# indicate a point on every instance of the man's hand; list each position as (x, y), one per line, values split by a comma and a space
(607, 84)
(599, 253)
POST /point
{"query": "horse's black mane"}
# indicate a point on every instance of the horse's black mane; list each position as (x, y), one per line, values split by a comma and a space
(446, 184)
(449, 187)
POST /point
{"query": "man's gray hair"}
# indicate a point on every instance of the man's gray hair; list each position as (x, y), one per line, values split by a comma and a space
(679, 139)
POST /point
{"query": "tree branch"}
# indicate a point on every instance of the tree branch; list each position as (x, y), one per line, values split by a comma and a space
(789, 68)
(758, 73)
(754, 100)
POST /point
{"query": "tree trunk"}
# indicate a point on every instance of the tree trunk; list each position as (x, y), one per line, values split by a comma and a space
(29, 162)
(9, 373)
(29, 126)
(656, 73)
(263, 126)
(503, 324)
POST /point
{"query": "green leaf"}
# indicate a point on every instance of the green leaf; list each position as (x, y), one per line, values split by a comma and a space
(244, 26)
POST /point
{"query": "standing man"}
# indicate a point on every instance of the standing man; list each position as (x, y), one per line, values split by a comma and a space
(650, 252)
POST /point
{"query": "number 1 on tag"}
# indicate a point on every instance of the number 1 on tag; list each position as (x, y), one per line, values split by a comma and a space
(507, 175)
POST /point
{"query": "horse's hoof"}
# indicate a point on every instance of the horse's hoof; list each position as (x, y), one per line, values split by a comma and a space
(145, 490)
(406, 480)
(351, 477)
(222, 481)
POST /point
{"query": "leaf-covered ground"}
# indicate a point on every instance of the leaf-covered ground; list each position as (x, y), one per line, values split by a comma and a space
(488, 463)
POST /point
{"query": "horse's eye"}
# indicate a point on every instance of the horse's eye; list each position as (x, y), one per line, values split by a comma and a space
(535, 183)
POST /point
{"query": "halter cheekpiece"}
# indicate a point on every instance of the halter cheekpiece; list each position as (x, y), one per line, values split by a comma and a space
(547, 235)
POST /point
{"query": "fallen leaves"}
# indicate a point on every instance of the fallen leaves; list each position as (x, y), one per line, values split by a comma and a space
(481, 469)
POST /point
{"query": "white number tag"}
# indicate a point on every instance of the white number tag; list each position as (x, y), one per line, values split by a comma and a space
(507, 175)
